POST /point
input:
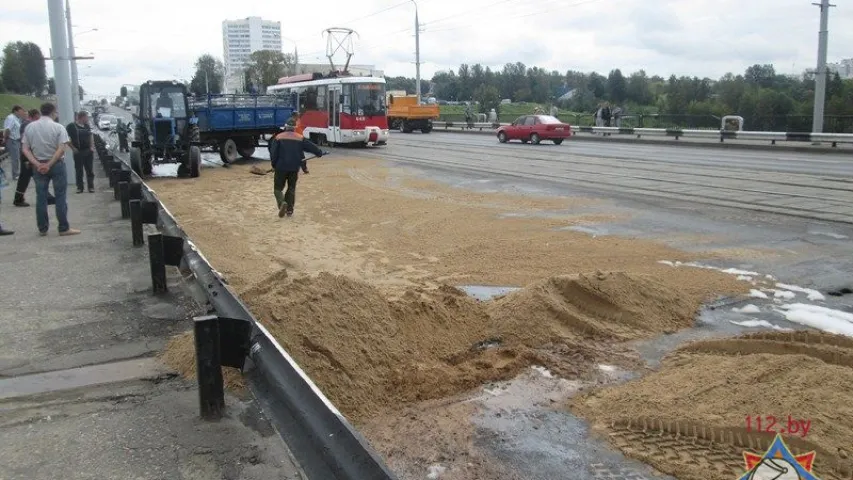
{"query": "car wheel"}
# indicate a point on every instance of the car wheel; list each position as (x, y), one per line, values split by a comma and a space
(502, 137)
(558, 141)
(535, 139)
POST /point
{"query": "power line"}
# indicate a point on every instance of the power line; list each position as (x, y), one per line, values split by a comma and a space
(378, 12)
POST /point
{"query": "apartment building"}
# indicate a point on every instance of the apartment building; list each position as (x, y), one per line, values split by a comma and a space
(844, 68)
(240, 38)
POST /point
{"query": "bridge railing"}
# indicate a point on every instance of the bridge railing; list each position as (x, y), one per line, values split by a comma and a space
(721, 135)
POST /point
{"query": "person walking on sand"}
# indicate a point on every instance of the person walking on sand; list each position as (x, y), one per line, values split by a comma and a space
(287, 155)
(45, 141)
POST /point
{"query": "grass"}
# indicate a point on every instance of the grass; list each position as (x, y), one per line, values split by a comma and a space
(8, 100)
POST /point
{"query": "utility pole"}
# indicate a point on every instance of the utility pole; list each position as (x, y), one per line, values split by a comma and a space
(417, 54)
(206, 82)
(75, 87)
(820, 73)
(61, 71)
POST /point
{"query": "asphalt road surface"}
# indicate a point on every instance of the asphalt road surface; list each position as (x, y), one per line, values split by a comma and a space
(816, 186)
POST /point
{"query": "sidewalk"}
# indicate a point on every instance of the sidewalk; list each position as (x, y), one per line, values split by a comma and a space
(81, 309)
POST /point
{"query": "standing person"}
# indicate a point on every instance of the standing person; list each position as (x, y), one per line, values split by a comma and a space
(83, 144)
(287, 155)
(606, 114)
(12, 137)
(123, 130)
(45, 141)
(26, 168)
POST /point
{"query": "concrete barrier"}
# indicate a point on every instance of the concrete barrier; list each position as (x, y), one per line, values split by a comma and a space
(721, 135)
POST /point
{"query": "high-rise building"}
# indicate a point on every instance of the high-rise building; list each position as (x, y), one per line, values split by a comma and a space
(240, 38)
(844, 68)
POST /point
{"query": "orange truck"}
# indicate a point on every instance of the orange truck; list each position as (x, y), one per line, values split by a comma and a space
(406, 115)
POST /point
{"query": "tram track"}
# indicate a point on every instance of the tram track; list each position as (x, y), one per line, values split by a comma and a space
(801, 195)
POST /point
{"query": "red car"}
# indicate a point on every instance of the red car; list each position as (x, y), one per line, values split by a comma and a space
(535, 128)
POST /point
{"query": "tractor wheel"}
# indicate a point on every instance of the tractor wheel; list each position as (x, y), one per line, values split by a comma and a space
(195, 134)
(228, 151)
(246, 148)
(136, 160)
(194, 160)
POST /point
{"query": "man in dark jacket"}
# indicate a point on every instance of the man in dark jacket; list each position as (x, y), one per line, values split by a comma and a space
(83, 144)
(287, 155)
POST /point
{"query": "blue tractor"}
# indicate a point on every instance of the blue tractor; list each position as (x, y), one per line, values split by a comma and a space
(165, 130)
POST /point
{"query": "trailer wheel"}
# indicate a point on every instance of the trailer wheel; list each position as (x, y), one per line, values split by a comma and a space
(194, 161)
(228, 151)
(246, 147)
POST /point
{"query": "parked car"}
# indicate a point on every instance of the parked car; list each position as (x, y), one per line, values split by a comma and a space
(107, 122)
(534, 129)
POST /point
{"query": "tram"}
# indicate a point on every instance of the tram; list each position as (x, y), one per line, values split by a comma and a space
(337, 108)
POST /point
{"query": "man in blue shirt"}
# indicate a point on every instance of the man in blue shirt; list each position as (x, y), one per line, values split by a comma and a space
(287, 155)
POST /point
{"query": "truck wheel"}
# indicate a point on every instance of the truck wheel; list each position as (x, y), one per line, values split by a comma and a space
(426, 129)
(136, 161)
(405, 127)
(228, 151)
(194, 160)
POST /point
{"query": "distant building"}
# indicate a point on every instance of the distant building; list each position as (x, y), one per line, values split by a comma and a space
(356, 70)
(241, 38)
(844, 68)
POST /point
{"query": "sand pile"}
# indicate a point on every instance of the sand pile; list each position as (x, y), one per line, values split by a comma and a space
(713, 385)
(369, 352)
(602, 305)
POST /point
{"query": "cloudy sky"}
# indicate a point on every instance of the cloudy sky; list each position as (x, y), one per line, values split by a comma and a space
(692, 37)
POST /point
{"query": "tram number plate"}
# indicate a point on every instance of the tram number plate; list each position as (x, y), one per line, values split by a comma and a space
(360, 119)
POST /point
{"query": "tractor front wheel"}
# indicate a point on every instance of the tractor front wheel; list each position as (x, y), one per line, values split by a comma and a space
(194, 161)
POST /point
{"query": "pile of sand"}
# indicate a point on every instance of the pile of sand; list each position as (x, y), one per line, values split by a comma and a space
(369, 352)
(706, 389)
(612, 305)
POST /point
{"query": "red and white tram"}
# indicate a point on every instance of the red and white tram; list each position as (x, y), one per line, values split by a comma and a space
(340, 109)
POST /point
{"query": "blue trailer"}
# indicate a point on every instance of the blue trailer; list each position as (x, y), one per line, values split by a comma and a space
(233, 124)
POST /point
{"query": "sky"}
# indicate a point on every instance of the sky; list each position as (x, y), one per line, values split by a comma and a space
(684, 37)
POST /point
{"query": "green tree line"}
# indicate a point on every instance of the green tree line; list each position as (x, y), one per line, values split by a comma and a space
(766, 99)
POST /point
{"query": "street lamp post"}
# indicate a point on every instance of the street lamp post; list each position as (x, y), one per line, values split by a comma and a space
(417, 54)
(75, 80)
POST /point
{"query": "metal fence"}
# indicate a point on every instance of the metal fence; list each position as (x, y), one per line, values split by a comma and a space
(777, 123)
(240, 101)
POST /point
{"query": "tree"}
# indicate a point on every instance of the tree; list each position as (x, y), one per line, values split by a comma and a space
(617, 88)
(51, 86)
(123, 91)
(209, 73)
(638, 89)
(104, 102)
(488, 97)
(13, 71)
(266, 67)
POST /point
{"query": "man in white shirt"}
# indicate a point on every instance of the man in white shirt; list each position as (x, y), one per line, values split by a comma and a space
(45, 142)
(12, 137)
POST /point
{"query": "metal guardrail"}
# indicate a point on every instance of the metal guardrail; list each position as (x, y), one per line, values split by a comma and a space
(324, 443)
(721, 135)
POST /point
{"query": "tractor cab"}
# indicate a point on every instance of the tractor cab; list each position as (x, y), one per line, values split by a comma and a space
(166, 131)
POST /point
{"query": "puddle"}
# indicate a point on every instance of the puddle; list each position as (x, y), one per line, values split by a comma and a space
(485, 292)
(524, 422)
(594, 231)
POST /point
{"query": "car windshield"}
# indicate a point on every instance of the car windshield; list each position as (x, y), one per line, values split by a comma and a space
(548, 119)
(369, 98)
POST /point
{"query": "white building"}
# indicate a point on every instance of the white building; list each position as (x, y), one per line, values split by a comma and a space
(240, 38)
(844, 68)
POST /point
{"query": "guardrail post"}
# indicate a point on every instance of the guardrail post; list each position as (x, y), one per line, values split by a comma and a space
(150, 212)
(136, 222)
(211, 389)
(163, 250)
(124, 196)
(115, 168)
(135, 190)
